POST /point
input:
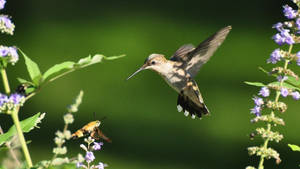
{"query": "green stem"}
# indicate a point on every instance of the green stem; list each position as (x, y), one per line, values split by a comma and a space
(16, 120)
(265, 146)
(5, 81)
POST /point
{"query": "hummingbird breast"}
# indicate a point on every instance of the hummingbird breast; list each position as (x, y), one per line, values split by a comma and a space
(177, 79)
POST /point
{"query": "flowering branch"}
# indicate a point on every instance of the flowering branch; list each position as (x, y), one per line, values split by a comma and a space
(265, 109)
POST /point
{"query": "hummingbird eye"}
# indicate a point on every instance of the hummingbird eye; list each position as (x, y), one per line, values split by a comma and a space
(153, 62)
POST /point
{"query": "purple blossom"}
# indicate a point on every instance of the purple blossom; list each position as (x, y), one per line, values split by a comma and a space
(16, 98)
(264, 91)
(2, 3)
(289, 12)
(298, 23)
(283, 37)
(14, 54)
(97, 146)
(278, 39)
(89, 157)
(7, 22)
(4, 51)
(6, 26)
(100, 165)
(295, 95)
(284, 92)
(256, 110)
(79, 164)
(10, 53)
(281, 78)
(3, 99)
(298, 56)
(278, 26)
(275, 56)
(258, 101)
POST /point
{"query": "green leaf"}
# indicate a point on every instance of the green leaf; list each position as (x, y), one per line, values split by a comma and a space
(57, 69)
(32, 68)
(113, 57)
(64, 68)
(26, 126)
(294, 147)
(259, 84)
(23, 81)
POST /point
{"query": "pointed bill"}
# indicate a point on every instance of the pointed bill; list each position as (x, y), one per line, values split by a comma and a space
(140, 69)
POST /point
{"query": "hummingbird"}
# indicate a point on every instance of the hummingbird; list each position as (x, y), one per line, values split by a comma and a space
(180, 70)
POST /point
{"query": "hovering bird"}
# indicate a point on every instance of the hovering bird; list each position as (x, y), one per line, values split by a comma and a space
(182, 67)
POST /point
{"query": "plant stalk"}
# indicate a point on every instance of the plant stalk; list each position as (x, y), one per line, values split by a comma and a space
(16, 120)
(5, 81)
(265, 146)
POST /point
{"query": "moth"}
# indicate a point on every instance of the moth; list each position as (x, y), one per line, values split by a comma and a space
(91, 129)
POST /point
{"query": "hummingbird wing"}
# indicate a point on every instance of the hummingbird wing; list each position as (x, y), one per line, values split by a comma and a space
(190, 101)
(194, 58)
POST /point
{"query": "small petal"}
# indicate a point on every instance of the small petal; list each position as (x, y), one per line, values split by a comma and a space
(2, 4)
(282, 78)
(278, 26)
(258, 101)
(101, 165)
(284, 92)
(97, 146)
(89, 157)
(79, 165)
(264, 91)
(295, 95)
(256, 110)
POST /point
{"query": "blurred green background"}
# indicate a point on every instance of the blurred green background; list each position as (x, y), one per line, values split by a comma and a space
(142, 119)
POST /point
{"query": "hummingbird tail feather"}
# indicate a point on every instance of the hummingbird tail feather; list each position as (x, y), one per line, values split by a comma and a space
(189, 107)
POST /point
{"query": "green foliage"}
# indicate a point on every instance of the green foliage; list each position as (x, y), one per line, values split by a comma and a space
(294, 147)
(38, 79)
(26, 125)
(32, 68)
(259, 84)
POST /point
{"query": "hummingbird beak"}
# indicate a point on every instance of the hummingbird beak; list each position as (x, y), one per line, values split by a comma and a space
(140, 69)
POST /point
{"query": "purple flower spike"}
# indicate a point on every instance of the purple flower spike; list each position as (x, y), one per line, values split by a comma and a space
(296, 95)
(275, 56)
(264, 91)
(2, 3)
(258, 101)
(89, 157)
(97, 146)
(284, 92)
(289, 12)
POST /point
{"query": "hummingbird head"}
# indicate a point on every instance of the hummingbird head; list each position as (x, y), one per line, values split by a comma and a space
(153, 62)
